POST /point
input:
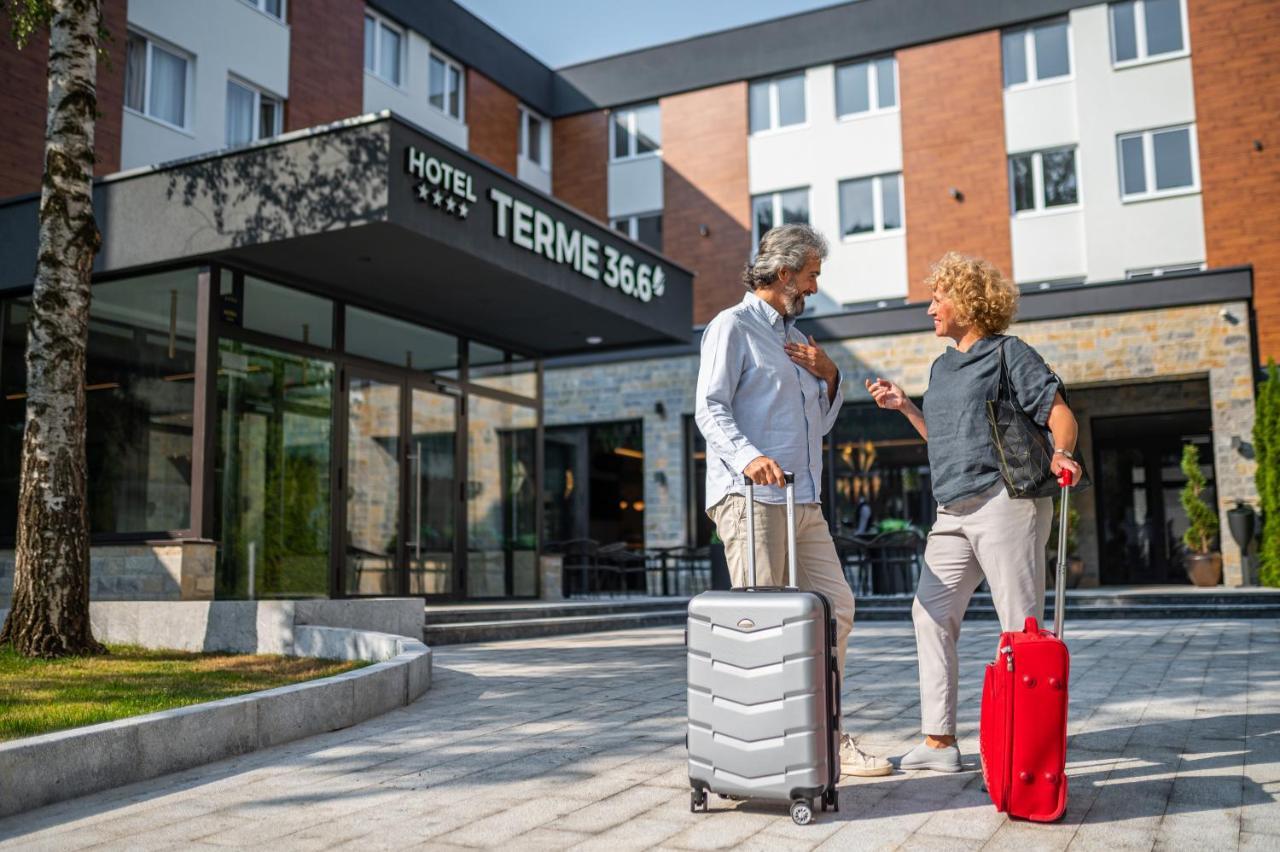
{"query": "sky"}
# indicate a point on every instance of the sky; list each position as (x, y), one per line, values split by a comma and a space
(565, 32)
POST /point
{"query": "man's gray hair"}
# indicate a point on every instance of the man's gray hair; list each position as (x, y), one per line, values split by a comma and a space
(784, 247)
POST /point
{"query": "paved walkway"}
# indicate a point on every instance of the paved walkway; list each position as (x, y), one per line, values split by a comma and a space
(578, 742)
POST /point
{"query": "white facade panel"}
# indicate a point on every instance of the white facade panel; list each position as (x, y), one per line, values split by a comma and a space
(819, 154)
(635, 186)
(1119, 236)
(409, 99)
(533, 174)
(221, 39)
(1049, 246)
(1040, 116)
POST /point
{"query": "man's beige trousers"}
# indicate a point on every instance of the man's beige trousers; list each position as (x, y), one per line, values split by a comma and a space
(991, 535)
(818, 569)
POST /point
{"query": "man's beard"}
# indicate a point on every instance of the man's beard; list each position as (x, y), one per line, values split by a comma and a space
(792, 300)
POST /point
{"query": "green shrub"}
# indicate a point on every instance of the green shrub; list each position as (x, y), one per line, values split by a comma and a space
(1202, 519)
(1266, 445)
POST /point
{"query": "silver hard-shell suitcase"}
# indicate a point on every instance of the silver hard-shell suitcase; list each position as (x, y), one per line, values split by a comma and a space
(764, 697)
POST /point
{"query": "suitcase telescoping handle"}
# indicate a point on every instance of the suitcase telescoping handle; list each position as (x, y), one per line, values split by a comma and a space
(790, 479)
(1060, 579)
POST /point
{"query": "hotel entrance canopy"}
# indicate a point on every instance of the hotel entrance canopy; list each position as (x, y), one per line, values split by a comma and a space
(376, 211)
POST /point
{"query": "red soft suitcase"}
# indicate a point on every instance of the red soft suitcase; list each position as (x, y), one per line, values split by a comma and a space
(1023, 729)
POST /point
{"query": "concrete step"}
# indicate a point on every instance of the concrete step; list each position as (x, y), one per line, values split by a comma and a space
(985, 612)
(529, 628)
(445, 614)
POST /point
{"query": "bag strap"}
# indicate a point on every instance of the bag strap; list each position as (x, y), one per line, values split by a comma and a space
(1004, 383)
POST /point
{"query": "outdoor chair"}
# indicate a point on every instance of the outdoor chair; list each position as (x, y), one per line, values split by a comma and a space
(581, 566)
(620, 564)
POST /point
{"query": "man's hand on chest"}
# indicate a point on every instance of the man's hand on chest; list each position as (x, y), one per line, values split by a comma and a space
(811, 357)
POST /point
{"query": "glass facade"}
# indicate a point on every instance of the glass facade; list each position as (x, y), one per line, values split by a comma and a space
(594, 483)
(501, 496)
(140, 396)
(272, 472)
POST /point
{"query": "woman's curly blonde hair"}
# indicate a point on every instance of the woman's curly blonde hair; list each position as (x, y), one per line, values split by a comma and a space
(983, 298)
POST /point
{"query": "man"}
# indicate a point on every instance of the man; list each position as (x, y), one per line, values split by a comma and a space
(765, 398)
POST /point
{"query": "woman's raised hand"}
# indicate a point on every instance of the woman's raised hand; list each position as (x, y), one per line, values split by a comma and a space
(886, 393)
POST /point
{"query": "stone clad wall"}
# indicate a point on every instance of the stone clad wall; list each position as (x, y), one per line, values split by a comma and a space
(1098, 352)
(156, 571)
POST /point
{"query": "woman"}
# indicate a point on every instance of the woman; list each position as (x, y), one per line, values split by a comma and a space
(980, 531)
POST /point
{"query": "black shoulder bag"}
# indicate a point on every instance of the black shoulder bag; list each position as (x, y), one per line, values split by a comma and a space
(1024, 450)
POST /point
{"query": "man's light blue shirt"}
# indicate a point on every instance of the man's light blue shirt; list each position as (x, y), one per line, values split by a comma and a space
(753, 400)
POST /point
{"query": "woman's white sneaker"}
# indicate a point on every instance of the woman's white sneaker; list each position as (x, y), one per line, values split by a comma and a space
(925, 756)
(855, 761)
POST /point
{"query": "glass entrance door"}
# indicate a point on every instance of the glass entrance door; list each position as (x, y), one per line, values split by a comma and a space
(433, 504)
(371, 552)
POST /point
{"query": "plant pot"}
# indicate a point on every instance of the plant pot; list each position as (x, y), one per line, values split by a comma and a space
(1204, 569)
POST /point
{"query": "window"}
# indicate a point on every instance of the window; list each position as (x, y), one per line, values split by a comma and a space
(1157, 271)
(1142, 29)
(1036, 53)
(395, 341)
(156, 80)
(535, 138)
(871, 205)
(274, 8)
(635, 132)
(1043, 179)
(251, 115)
(866, 86)
(382, 49)
(777, 103)
(281, 311)
(778, 208)
(1157, 162)
(645, 228)
(444, 86)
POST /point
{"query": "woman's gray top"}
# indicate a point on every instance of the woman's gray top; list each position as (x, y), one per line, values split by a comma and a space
(962, 459)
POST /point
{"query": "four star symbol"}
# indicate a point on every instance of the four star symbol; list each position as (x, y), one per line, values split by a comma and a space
(441, 199)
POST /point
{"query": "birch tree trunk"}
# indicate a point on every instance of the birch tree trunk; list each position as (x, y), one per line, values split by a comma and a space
(50, 610)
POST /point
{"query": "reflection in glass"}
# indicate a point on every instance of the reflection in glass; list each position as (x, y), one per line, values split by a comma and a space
(501, 499)
(1014, 50)
(891, 201)
(759, 106)
(395, 341)
(762, 214)
(285, 312)
(791, 100)
(494, 368)
(1024, 191)
(1133, 171)
(886, 71)
(648, 129)
(857, 208)
(373, 487)
(594, 482)
(432, 493)
(272, 473)
(1172, 152)
(853, 92)
(795, 206)
(1059, 177)
(1164, 26)
(621, 136)
(1052, 56)
(881, 473)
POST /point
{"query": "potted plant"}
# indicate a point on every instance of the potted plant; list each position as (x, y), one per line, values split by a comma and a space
(1075, 565)
(1204, 565)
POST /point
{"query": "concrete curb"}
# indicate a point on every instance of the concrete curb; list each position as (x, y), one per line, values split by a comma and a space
(49, 768)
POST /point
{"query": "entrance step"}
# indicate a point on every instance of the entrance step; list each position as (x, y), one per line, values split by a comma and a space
(456, 624)
(1094, 604)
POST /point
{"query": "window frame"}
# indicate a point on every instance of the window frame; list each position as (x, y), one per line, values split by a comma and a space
(149, 77)
(873, 88)
(457, 67)
(775, 104)
(1034, 79)
(632, 137)
(383, 23)
(632, 221)
(878, 231)
(1149, 164)
(258, 95)
(544, 142)
(1147, 272)
(261, 6)
(1037, 183)
(775, 197)
(1140, 37)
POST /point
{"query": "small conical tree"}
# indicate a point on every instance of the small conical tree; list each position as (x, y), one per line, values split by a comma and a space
(1202, 519)
(1266, 446)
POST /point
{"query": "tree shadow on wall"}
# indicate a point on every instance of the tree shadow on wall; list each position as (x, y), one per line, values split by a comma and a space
(322, 182)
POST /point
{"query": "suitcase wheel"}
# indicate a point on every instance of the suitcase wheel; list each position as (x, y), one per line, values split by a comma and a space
(802, 812)
(697, 801)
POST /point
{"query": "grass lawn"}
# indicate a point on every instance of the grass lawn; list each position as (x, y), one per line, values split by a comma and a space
(38, 696)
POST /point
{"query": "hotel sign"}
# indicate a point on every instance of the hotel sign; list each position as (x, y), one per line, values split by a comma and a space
(445, 186)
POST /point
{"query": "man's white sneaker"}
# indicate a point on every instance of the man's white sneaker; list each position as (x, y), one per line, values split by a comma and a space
(925, 756)
(855, 761)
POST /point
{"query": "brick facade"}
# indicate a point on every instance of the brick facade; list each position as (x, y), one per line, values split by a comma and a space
(1235, 48)
(580, 146)
(953, 136)
(704, 183)
(493, 121)
(24, 103)
(326, 62)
